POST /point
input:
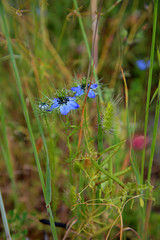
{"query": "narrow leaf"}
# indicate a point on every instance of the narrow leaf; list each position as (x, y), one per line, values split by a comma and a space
(110, 155)
(112, 147)
(48, 185)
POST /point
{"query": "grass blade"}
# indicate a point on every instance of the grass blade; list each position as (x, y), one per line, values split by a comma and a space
(149, 82)
(4, 219)
(26, 115)
(6, 154)
(108, 174)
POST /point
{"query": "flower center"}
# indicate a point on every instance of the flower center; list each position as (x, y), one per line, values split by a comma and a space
(83, 86)
(62, 100)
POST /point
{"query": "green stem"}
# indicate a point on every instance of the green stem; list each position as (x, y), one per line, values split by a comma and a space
(151, 159)
(100, 143)
(112, 147)
(4, 219)
(109, 158)
(100, 132)
(136, 170)
(43, 8)
(88, 49)
(51, 158)
(108, 174)
(118, 174)
(7, 156)
(48, 174)
(26, 115)
(154, 138)
(110, 168)
(149, 82)
(145, 230)
(147, 111)
(62, 34)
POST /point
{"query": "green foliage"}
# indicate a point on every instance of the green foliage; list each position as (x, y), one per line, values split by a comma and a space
(18, 223)
(77, 167)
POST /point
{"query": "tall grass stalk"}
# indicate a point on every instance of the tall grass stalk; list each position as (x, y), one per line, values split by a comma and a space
(135, 169)
(43, 7)
(94, 10)
(48, 174)
(51, 158)
(88, 49)
(154, 136)
(7, 155)
(100, 142)
(145, 215)
(4, 219)
(147, 114)
(26, 115)
(149, 83)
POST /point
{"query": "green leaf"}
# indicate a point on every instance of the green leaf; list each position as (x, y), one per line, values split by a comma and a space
(111, 155)
(48, 185)
(158, 55)
(108, 174)
(154, 95)
(112, 147)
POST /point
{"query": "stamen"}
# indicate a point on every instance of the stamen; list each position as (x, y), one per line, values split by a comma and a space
(62, 100)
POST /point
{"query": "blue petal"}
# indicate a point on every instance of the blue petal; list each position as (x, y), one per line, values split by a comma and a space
(75, 89)
(72, 105)
(55, 99)
(54, 105)
(79, 92)
(64, 109)
(91, 94)
(141, 64)
(72, 98)
(93, 86)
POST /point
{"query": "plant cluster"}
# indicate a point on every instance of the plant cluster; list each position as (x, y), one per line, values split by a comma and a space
(81, 156)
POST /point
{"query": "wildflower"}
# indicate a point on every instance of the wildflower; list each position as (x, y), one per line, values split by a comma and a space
(43, 107)
(80, 90)
(65, 104)
(139, 142)
(142, 64)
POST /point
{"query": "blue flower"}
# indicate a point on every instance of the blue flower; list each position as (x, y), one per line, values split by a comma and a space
(65, 104)
(80, 90)
(142, 64)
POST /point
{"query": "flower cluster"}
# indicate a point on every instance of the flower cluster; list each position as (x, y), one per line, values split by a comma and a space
(64, 102)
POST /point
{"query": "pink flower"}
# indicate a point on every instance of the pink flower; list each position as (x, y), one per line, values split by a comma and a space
(139, 142)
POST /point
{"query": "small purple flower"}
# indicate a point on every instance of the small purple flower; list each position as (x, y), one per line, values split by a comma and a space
(142, 64)
(65, 104)
(80, 90)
